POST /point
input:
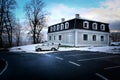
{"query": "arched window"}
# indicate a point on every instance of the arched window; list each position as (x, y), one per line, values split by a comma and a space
(102, 27)
(86, 24)
(58, 27)
(51, 29)
(94, 26)
(62, 27)
(54, 28)
(66, 25)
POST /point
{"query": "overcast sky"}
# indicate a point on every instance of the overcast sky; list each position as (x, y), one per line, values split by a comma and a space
(100, 10)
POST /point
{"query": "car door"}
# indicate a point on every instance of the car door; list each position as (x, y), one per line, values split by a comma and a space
(45, 47)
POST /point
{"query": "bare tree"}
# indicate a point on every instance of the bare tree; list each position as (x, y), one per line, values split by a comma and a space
(1, 21)
(7, 20)
(36, 17)
(17, 33)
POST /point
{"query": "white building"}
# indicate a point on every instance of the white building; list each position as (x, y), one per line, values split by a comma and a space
(79, 32)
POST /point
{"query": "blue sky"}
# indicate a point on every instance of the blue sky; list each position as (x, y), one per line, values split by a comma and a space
(100, 10)
(50, 3)
(75, 3)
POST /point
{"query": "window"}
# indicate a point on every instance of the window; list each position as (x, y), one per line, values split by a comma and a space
(54, 37)
(94, 37)
(60, 37)
(62, 26)
(102, 38)
(102, 27)
(94, 26)
(54, 28)
(86, 24)
(85, 37)
(49, 37)
(51, 29)
(66, 25)
(57, 27)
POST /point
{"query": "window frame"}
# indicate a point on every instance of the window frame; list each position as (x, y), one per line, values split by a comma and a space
(95, 26)
(66, 25)
(85, 37)
(102, 27)
(54, 28)
(50, 38)
(62, 26)
(60, 37)
(51, 29)
(58, 27)
(84, 26)
(54, 37)
(102, 38)
(94, 37)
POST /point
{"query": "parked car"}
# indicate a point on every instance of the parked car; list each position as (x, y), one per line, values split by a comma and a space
(115, 44)
(47, 46)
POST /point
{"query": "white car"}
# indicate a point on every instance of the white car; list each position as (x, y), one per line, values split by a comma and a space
(47, 46)
(115, 43)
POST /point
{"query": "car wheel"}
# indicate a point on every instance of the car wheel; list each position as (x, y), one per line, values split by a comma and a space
(53, 49)
(36, 50)
(39, 49)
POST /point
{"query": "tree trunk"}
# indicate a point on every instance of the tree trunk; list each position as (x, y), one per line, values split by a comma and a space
(1, 24)
(1, 41)
(34, 40)
(9, 31)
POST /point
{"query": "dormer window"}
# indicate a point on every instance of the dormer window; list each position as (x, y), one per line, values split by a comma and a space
(54, 28)
(102, 27)
(86, 24)
(94, 26)
(66, 25)
(57, 27)
(51, 29)
(62, 27)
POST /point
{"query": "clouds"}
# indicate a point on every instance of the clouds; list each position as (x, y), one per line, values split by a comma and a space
(115, 26)
(109, 11)
(111, 4)
(59, 11)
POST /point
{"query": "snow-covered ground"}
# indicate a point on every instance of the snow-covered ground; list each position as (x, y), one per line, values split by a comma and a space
(31, 49)
(27, 48)
(107, 49)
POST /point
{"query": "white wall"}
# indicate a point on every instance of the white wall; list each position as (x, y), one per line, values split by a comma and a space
(68, 38)
(90, 41)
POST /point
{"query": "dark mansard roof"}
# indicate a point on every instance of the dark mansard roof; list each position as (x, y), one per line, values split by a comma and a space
(78, 23)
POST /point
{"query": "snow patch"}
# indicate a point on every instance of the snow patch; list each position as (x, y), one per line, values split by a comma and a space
(31, 49)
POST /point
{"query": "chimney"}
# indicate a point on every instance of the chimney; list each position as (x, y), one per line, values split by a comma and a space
(62, 19)
(77, 16)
